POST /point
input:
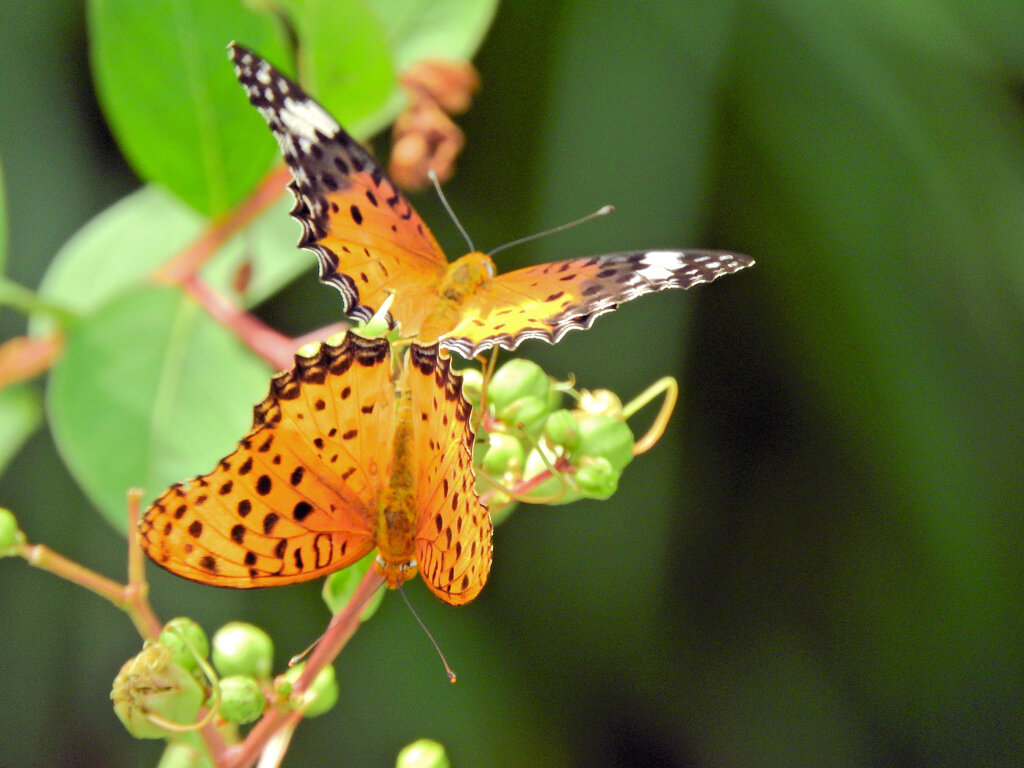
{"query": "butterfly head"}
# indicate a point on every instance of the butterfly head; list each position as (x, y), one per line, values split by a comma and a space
(395, 573)
(465, 275)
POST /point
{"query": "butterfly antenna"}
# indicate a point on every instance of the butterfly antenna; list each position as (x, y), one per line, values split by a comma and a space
(447, 207)
(602, 211)
(447, 669)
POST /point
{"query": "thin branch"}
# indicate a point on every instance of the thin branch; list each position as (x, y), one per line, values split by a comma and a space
(342, 626)
(276, 348)
(188, 261)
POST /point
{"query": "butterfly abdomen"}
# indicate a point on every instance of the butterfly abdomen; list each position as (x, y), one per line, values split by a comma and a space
(396, 519)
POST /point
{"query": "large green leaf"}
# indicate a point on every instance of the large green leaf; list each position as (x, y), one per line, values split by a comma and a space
(171, 97)
(451, 29)
(345, 60)
(20, 414)
(150, 390)
(124, 244)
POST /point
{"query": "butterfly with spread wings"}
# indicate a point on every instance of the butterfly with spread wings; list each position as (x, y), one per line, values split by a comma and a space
(372, 245)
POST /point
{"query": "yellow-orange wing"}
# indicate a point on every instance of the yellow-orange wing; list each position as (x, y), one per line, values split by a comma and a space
(368, 239)
(297, 498)
(453, 531)
(549, 300)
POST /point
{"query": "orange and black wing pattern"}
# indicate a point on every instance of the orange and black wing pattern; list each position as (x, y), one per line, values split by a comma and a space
(368, 239)
(453, 530)
(298, 497)
(549, 300)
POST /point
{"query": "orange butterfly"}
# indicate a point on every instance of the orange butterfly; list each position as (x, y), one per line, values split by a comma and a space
(343, 456)
(371, 244)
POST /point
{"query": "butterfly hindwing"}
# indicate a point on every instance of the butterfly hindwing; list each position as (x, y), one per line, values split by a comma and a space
(453, 539)
(548, 300)
(297, 498)
(368, 239)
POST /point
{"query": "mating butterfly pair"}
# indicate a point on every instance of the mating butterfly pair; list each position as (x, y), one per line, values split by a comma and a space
(346, 454)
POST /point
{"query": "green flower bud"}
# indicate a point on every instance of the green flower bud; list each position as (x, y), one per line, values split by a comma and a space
(505, 454)
(322, 693)
(242, 649)
(241, 700)
(185, 752)
(527, 413)
(423, 753)
(152, 684)
(178, 634)
(341, 585)
(375, 328)
(600, 401)
(11, 536)
(604, 436)
(472, 385)
(561, 428)
(517, 379)
(597, 478)
(308, 350)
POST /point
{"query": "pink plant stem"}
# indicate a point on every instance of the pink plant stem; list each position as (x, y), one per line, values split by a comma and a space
(342, 626)
(220, 231)
(276, 348)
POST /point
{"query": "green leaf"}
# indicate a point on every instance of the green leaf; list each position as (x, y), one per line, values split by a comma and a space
(450, 29)
(119, 249)
(20, 414)
(345, 60)
(171, 98)
(149, 391)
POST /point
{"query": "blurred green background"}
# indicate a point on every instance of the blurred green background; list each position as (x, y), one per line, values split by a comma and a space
(818, 565)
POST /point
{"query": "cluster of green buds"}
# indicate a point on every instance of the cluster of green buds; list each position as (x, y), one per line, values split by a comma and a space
(161, 692)
(531, 448)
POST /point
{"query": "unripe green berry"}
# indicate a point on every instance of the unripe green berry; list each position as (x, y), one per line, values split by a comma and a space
(374, 328)
(242, 649)
(605, 436)
(308, 350)
(185, 752)
(600, 402)
(472, 385)
(241, 700)
(10, 534)
(341, 585)
(424, 753)
(178, 634)
(506, 453)
(561, 428)
(152, 684)
(322, 693)
(527, 413)
(517, 379)
(596, 478)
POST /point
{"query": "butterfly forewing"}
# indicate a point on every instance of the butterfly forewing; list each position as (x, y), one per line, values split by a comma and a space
(549, 300)
(453, 532)
(367, 238)
(297, 498)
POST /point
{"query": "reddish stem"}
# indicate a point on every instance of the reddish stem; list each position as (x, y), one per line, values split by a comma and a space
(221, 230)
(342, 626)
(276, 348)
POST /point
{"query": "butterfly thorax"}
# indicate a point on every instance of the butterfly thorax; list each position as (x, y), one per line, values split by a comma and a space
(396, 520)
(462, 278)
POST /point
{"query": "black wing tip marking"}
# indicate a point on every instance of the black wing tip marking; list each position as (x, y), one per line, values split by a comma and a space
(322, 158)
(328, 359)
